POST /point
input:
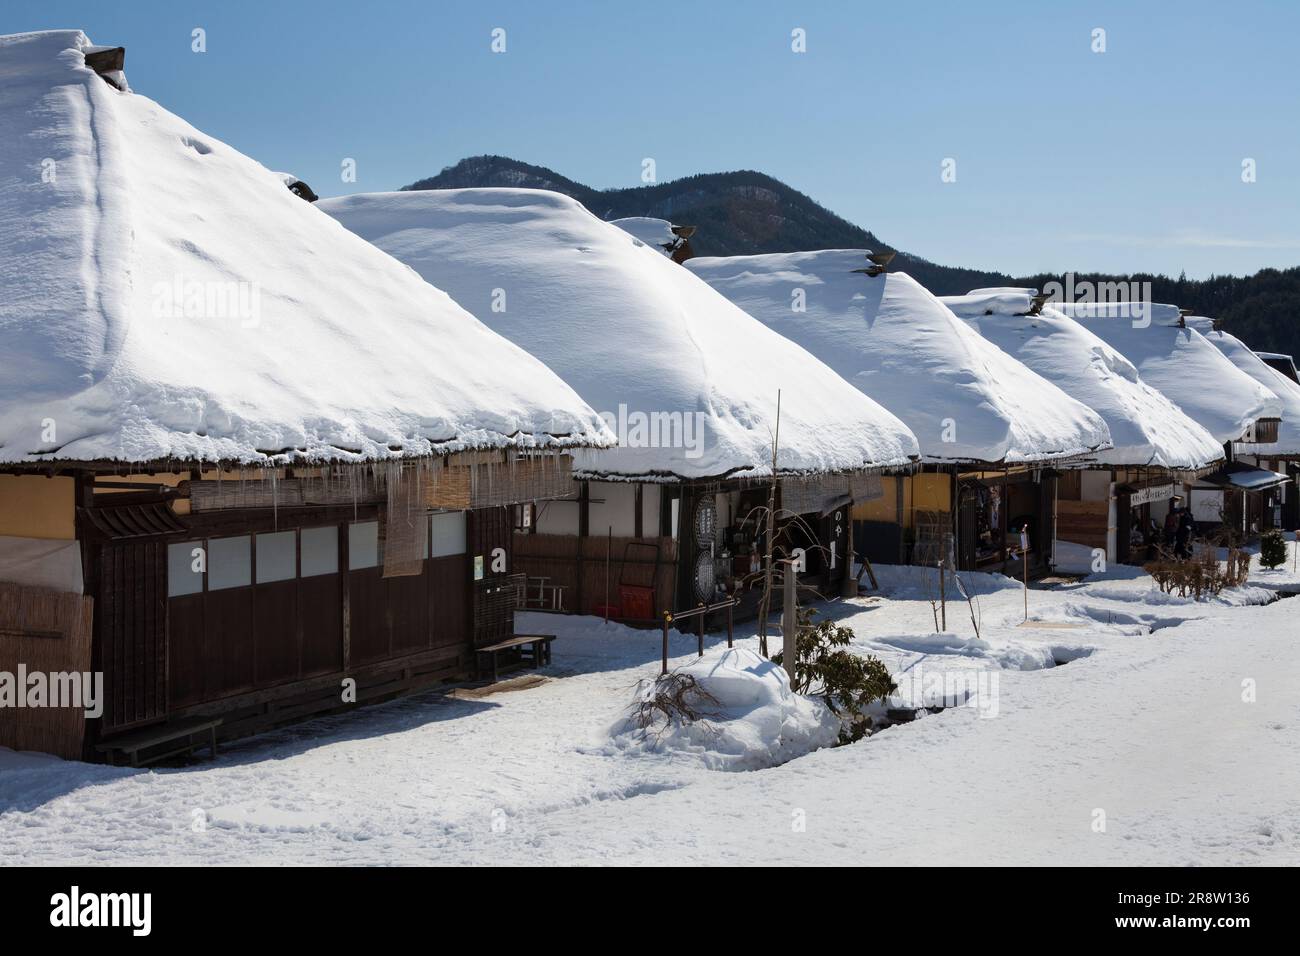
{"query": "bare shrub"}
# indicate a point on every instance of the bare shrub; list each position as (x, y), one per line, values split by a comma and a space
(673, 700)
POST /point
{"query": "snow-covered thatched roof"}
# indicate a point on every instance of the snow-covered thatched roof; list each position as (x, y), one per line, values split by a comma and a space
(1287, 391)
(163, 296)
(631, 330)
(1145, 426)
(1180, 362)
(655, 233)
(966, 400)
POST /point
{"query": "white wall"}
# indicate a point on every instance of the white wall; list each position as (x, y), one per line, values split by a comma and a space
(650, 496)
(1094, 484)
(557, 517)
(613, 504)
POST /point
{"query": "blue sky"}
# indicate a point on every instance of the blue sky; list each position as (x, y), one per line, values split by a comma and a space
(1120, 161)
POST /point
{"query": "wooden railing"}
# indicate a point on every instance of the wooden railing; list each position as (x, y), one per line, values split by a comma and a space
(699, 612)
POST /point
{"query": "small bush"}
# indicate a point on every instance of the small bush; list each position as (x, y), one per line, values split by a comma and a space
(675, 700)
(1200, 576)
(1272, 549)
(849, 683)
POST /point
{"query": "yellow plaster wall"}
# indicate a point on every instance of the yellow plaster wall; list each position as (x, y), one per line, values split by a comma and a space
(32, 506)
(883, 508)
(931, 493)
(921, 492)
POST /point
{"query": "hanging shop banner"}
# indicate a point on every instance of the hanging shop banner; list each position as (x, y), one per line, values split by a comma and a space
(1153, 493)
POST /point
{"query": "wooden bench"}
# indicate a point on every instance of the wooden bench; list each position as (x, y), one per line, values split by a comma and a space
(132, 744)
(539, 649)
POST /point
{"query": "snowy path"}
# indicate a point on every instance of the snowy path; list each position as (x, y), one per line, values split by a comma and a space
(1150, 728)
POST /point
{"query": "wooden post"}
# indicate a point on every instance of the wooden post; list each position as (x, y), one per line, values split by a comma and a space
(731, 622)
(789, 623)
(1024, 564)
(849, 583)
(699, 628)
(1024, 561)
(584, 513)
(668, 619)
(868, 571)
(943, 601)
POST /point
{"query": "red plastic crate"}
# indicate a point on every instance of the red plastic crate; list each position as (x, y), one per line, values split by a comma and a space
(638, 603)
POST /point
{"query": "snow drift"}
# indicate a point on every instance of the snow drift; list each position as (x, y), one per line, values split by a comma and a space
(1180, 362)
(630, 329)
(754, 719)
(164, 296)
(963, 398)
(1146, 428)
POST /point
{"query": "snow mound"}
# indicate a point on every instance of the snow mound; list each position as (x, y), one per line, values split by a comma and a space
(1146, 428)
(965, 399)
(1006, 655)
(633, 332)
(1180, 362)
(164, 296)
(753, 721)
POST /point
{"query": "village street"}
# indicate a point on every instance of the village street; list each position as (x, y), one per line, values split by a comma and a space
(1167, 735)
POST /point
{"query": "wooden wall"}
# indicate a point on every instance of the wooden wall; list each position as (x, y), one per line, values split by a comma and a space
(241, 640)
(131, 631)
(47, 631)
(572, 561)
(1083, 522)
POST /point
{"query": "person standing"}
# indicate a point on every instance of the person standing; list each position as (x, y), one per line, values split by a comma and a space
(1182, 543)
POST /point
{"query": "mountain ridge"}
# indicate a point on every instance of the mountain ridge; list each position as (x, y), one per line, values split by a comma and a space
(746, 212)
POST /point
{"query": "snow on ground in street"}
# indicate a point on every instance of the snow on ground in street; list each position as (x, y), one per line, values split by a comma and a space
(1145, 729)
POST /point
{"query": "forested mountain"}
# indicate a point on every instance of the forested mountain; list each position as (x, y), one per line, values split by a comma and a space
(747, 212)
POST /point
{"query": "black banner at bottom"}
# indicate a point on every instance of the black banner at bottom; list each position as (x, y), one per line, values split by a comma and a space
(302, 905)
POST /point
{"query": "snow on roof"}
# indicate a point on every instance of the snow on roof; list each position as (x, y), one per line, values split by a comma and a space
(1145, 426)
(1287, 392)
(631, 330)
(655, 233)
(163, 296)
(1179, 362)
(965, 399)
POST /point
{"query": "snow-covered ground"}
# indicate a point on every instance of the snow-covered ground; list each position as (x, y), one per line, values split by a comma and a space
(1121, 726)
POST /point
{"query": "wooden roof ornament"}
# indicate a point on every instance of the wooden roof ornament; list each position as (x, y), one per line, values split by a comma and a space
(1036, 303)
(879, 263)
(679, 250)
(302, 190)
(109, 63)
